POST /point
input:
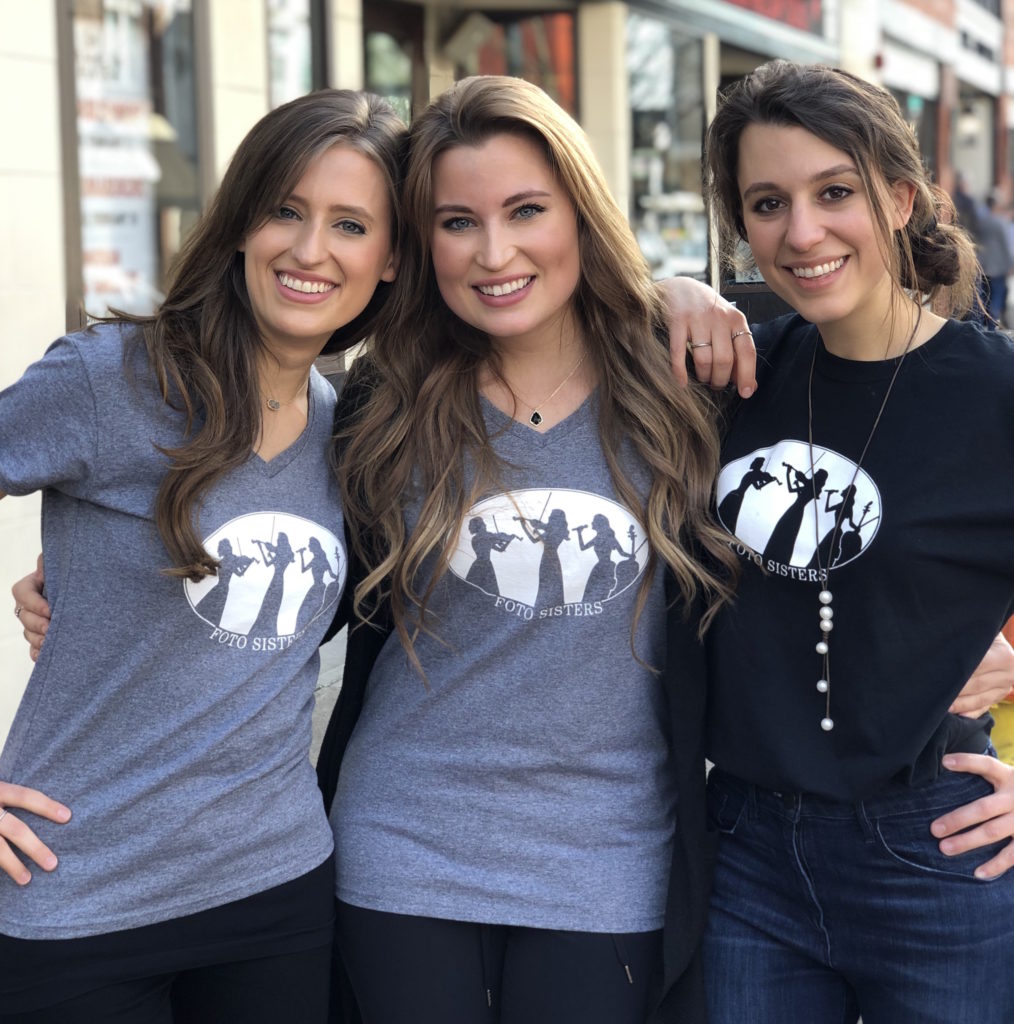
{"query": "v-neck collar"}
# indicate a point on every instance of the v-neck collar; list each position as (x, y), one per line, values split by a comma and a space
(286, 456)
(497, 420)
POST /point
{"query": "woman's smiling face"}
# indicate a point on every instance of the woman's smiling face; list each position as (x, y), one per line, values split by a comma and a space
(504, 240)
(315, 263)
(810, 226)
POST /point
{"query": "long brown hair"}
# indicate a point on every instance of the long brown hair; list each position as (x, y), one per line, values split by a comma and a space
(423, 423)
(202, 343)
(932, 257)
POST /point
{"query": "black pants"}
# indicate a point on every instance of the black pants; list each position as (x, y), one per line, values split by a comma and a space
(423, 970)
(264, 959)
(269, 990)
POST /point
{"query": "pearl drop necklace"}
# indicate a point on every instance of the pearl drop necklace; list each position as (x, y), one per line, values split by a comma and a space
(825, 597)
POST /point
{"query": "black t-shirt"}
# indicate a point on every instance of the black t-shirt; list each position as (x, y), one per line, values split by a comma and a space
(922, 564)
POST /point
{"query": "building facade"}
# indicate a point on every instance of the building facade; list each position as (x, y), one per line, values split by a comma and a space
(119, 116)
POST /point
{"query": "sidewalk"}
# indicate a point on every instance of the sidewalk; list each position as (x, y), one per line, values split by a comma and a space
(329, 682)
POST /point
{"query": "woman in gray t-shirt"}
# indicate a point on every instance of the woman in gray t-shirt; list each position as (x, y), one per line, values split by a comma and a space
(170, 707)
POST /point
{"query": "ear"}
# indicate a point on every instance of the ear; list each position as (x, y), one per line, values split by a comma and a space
(903, 197)
(241, 247)
(391, 270)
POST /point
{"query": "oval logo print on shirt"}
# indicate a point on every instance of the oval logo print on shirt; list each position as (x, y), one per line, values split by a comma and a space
(771, 502)
(548, 548)
(278, 572)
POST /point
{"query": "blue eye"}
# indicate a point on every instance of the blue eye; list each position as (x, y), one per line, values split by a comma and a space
(456, 223)
(351, 227)
(528, 211)
(287, 213)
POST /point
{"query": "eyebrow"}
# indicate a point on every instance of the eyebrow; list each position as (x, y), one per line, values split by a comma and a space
(509, 201)
(334, 208)
(831, 172)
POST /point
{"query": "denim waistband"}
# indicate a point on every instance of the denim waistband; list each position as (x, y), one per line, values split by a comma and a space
(948, 790)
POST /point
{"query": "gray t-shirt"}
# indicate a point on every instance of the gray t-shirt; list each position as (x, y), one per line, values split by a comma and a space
(172, 717)
(527, 783)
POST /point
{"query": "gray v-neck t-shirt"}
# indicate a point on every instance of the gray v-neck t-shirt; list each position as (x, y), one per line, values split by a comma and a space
(173, 717)
(527, 783)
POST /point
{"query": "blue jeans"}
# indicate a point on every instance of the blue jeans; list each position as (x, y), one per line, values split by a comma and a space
(823, 910)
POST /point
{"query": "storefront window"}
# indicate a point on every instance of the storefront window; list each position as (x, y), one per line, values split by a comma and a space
(389, 71)
(393, 47)
(290, 50)
(137, 146)
(536, 47)
(921, 114)
(972, 140)
(667, 110)
(807, 15)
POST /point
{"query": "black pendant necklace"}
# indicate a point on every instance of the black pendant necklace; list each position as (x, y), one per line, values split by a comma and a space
(536, 417)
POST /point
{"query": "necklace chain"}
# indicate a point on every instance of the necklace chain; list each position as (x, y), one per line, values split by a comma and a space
(536, 417)
(274, 405)
(825, 597)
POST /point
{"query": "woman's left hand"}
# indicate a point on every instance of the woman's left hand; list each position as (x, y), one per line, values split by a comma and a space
(713, 331)
(990, 819)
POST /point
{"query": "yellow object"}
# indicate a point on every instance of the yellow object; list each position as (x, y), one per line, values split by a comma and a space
(1003, 731)
(1003, 715)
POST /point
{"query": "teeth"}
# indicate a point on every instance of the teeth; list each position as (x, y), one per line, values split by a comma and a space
(504, 289)
(818, 271)
(309, 287)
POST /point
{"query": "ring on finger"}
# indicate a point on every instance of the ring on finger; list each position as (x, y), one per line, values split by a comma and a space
(18, 609)
(738, 333)
(691, 345)
(4, 813)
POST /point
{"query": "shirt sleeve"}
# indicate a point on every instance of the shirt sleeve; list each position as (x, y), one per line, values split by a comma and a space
(48, 425)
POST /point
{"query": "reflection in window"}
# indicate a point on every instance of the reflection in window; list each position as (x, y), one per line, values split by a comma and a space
(921, 114)
(538, 47)
(807, 15)
(290, 51)
(137, 146)
(389, 71)
(667, 113)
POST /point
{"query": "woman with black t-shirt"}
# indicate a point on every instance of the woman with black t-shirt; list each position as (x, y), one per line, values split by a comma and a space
(831, 676)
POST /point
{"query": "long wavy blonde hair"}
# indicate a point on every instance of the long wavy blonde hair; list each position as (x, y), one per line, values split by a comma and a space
(421, 429)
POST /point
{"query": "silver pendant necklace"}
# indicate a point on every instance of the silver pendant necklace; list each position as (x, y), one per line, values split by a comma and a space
(274, 405)
(825, 597)
(536, 417)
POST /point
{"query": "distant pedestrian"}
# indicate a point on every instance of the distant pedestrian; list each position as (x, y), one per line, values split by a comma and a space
(994, 251)
(966, 206)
